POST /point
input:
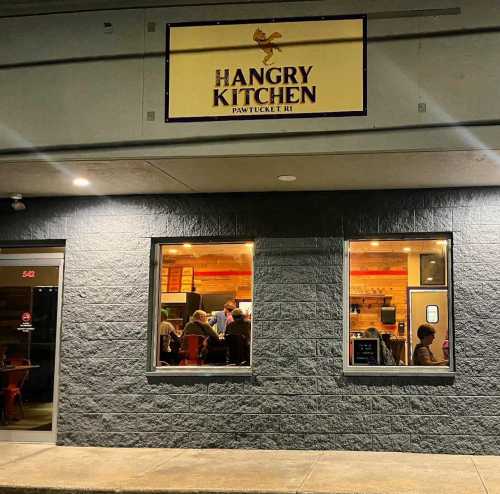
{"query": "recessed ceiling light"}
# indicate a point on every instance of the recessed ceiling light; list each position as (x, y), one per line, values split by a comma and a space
(81, 182)
(375, 243)
(432, 262)
(172, 251)
(17, 202)
(407, 249)
(430, 278)
(287, 178)
(188, 246)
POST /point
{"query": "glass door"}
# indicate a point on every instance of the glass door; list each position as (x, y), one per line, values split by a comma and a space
(30, 306)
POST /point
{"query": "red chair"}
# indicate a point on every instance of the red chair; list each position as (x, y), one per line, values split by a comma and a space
(12, 392)
(192, 347)
(3, 416)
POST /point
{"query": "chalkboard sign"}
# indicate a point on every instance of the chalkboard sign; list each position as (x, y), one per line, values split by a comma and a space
(365, 351)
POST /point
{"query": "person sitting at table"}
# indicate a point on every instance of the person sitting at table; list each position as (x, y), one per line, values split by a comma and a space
(213, 350)
(239, 325)
(170, 344)
(237, 336)
(422, 355)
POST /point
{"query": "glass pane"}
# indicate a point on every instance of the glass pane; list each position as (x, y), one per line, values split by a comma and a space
(205, 305)
(28, 322)
(396, 289)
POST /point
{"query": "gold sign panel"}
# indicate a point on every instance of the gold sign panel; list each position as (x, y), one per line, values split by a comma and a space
(266, 69)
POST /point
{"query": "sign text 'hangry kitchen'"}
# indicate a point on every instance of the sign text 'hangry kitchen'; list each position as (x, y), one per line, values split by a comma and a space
(264, 86)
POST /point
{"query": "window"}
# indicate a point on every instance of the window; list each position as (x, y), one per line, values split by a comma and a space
(398, 306)
(203, 306)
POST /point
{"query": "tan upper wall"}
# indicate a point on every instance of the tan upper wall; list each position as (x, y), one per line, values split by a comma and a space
(95, 101)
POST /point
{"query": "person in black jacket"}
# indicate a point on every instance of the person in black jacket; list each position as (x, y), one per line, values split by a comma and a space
(238, 336)
(239, 325)
(213, 348)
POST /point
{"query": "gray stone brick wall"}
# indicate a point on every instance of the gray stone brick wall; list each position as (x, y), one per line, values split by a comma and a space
(297, 397)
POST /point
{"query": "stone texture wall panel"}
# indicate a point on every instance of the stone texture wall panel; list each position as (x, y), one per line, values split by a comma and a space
(345, 405)
(275, 366)
(299, 347)
(391, 442)
(297, 396)
(105, 330)
(391, 405)
(285, 292)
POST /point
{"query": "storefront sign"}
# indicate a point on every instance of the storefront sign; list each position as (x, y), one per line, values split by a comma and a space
(25, 325)
(266, 69)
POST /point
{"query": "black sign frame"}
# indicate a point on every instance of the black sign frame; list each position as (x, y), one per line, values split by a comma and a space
(362, 112)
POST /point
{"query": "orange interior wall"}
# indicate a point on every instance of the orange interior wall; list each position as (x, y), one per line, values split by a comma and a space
(383, 283)
(206, 277)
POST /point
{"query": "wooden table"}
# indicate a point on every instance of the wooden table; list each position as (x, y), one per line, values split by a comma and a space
(18, 368)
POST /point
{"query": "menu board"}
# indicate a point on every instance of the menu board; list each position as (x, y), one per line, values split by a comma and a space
(187, 279)
(164, 280)
(365, 351)
(174, 279)
(177, 279)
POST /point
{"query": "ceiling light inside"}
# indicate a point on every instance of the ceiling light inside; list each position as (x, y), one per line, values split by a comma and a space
(81, 182)
(17, 203)
(287, 178)
(187, 246)
(172, 251)
(375, 243)
(407, 249)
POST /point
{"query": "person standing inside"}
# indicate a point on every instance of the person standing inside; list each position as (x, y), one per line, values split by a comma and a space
(223, 317)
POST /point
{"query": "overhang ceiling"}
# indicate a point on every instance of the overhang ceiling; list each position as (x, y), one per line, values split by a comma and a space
(31, 7)
(253, 173)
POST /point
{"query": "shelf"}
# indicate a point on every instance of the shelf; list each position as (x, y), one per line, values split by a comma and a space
(369, 299)
(370, 295)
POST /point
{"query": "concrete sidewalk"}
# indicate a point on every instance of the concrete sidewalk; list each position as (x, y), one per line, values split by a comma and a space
(29, 468)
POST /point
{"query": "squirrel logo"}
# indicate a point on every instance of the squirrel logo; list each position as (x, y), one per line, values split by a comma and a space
(266, 45)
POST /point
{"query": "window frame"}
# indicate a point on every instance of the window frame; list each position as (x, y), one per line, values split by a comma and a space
(351, 370)
(154, 313)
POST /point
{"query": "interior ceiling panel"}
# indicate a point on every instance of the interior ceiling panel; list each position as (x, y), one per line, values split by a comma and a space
(253, 173)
